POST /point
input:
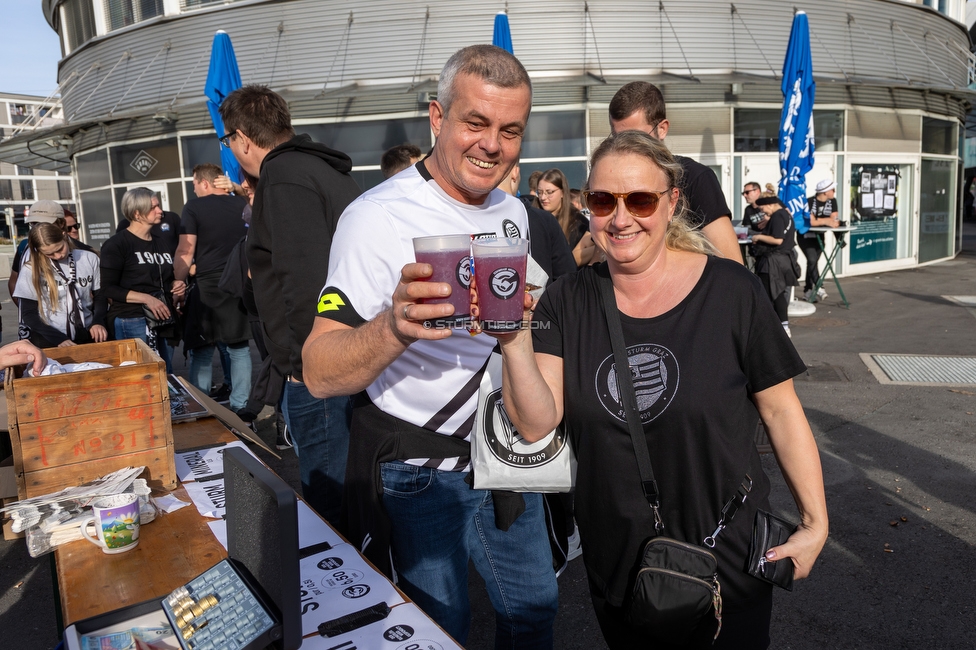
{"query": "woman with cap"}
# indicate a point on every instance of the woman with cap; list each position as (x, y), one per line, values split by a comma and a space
(772, 246)
(60, 300)
(823, 212)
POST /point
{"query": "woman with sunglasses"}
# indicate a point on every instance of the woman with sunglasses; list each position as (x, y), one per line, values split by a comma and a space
(554, 197)
(73, 230)
(708, 359)
(59, 291)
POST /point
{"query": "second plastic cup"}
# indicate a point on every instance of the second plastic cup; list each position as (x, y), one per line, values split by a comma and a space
(449, 255)
(499, 269)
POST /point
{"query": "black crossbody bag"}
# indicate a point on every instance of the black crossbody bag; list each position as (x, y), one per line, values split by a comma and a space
(676, 584)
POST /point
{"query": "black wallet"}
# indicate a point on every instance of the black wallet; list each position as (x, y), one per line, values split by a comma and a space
(770, 531)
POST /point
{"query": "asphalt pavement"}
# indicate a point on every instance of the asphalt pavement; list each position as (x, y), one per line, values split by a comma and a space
(899, 464)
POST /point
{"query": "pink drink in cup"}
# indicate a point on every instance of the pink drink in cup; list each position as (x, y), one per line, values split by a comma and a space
(499, 267)
(449, 256)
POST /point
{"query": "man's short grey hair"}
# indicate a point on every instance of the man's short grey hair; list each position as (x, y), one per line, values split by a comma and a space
(138, 199)
(486, 62)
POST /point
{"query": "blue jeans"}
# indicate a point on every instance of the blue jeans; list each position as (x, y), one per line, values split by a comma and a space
(201, 371)
(135, 328)
(439, 524)
(320, 430)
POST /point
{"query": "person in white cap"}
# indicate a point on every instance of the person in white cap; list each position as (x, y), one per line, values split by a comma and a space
(823, 212)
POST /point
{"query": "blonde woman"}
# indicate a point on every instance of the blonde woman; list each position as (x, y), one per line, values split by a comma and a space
(708, 358)
(59, 291)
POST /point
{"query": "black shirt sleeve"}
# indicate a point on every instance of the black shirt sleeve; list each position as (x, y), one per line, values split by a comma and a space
(703, 192)
(111, 266)
(31, 316)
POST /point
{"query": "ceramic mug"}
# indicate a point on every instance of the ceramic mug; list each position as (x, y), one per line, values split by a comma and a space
(116, 520)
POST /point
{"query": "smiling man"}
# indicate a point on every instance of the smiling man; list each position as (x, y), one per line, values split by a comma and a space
(410, 427)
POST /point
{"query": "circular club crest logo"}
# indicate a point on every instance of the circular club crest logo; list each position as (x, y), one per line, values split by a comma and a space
(355, 591)
(655, 374)
(508, 446)
(398, 633)
(510, 229)
(504, 282)
(330, 563)
(463, 272)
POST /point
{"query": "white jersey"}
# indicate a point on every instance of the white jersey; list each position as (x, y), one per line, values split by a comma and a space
(433, 384)
(87, 278)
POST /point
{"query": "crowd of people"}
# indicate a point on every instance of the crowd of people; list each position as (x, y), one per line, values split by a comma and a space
(380, 407)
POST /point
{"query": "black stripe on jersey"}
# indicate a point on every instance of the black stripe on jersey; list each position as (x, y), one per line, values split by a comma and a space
(335, 305)
(465, 429)
(459, 400)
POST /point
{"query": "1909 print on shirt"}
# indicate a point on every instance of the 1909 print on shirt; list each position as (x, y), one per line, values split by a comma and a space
(129, 263)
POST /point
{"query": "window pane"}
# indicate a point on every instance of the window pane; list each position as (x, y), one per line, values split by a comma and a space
(92, 170)
(98, 218)
(24, 171)
(64, 191)
(121, 13)
(552, 135)
(757, 129)
(6, 190)
(367, 179)
(26, 190)
(197, 4)
(148, 161)
(828, 130)
(80, 22)
(200, 149)
(19, 113)
(938, 136)
(365, 142)
(47, 189)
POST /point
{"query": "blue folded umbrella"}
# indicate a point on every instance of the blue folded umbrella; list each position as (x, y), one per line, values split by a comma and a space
(223, 78)
(796, 143)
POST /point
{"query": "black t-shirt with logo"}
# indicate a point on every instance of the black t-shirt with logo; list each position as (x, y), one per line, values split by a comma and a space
(129, 263)
(695, 368)
(217, 222)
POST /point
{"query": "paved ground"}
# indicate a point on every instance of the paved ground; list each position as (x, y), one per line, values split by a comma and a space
(889, 452)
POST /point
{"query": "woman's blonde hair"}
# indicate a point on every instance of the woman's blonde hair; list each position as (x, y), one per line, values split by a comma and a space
(42, 268)
(681, 235)
(565, 214)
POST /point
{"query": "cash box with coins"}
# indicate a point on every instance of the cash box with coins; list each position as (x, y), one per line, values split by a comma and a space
(248, 601)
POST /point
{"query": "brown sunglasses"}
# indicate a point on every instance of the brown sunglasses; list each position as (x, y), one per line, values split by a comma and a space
(639, 204)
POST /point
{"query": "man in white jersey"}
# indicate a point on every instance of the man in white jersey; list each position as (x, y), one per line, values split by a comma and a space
(408, 445)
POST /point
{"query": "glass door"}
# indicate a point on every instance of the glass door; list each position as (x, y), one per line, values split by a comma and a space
(937, 203)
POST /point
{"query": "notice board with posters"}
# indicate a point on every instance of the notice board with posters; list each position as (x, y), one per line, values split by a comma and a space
(874, 210)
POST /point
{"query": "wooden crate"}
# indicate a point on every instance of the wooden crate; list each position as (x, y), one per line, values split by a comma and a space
(71, 428)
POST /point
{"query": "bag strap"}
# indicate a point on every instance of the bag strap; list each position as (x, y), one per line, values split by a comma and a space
(625, 384)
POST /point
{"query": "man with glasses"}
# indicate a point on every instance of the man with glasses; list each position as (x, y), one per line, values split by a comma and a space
(752, 214)
(639, 106)
(302, 188)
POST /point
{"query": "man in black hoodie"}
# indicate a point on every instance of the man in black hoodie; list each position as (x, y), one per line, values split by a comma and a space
(302, 189)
